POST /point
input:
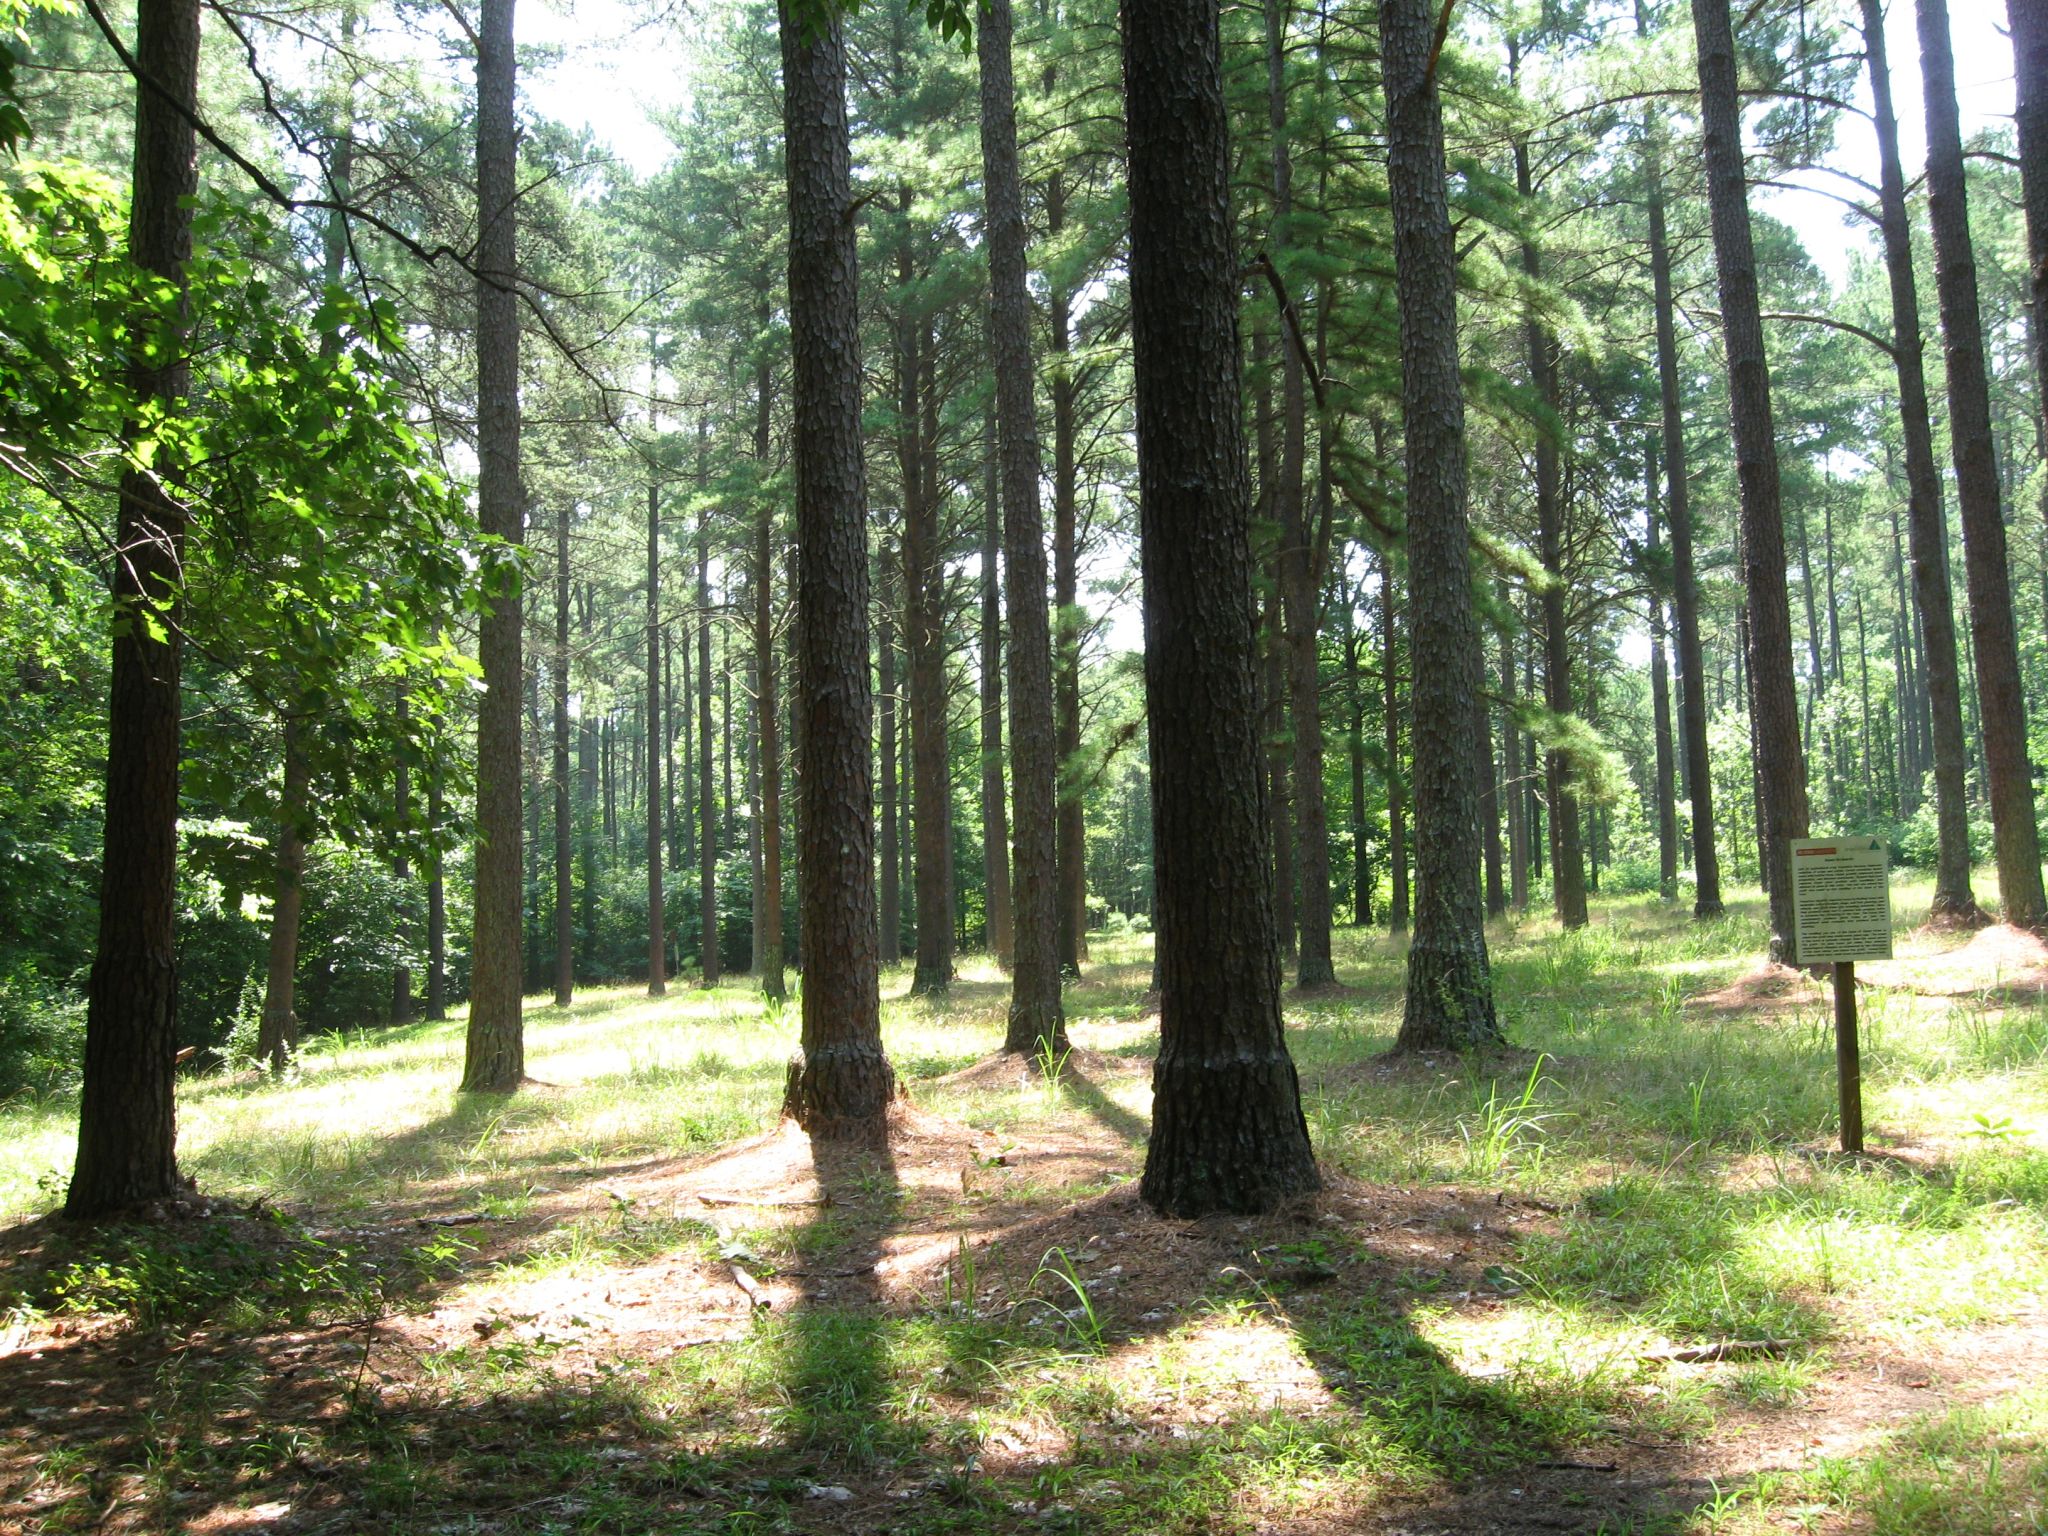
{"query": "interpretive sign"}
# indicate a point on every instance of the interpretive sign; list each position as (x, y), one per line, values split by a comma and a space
(1841, 900)
(1842, 913)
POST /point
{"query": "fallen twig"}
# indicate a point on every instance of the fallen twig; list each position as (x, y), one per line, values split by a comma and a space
(709, 1338)
(746, 1282)
(745, 1200)
(1726, 1349)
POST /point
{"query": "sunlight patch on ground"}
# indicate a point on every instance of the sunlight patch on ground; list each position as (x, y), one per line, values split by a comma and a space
(1221, 1366)
(1550, 1341)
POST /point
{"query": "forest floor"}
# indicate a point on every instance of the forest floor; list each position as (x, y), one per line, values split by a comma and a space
(1614, 1280)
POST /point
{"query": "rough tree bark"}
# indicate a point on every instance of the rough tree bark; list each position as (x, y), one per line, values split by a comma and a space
(1450, 987)
(565, 847)
(1954, 901)
(840, 1084)
(1692, 687)
(657, 738)
(127, 1128)
(437, 901)
(1397, 788)
(1066, 598)
(1660, 694)
(995, 815)
(1035, 1009)
(2029, 21)
(1227, 1130)
(495, 1051)
(890, 797)
(1774, 721)
(709, 840)
(2002, 713)
(767, 706)
(1568, 863)
(1300, 580)
(924, 644)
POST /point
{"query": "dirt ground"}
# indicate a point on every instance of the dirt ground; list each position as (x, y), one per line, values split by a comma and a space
(945, 1209)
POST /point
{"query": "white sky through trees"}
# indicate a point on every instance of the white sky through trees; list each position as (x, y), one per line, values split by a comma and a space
(619, 67)
(623, 65)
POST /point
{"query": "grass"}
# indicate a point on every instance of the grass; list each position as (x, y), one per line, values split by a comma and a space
(1649, 1173)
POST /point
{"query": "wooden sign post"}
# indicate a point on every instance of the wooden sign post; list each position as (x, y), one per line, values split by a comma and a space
(1842, 913)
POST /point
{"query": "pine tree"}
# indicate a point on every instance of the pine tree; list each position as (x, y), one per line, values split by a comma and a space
(1449, 1002)
(495, 1053)
(127, 1126)
(1227, 1129)
(841, 1085)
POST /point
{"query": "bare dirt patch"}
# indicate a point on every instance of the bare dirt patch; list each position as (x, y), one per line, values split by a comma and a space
(1009, 1071)
(1769, 991)
(2000, 959)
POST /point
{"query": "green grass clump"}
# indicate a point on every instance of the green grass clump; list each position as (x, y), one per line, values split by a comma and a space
(239, 1271)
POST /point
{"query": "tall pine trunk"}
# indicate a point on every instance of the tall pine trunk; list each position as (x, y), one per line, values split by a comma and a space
(840, 1085)
(1397, 787)
(1511, 776)
(1066, 598)
(1954, 901)
(658, 763)
(709, 839)
(1279, 760)
(495, 1050)
(1035, 1018)
(1227, 1126)
(2029, 21)
(2002, 713)
(1449, 1002)
(924, 645)
(1685, 603)
(127, 1128)
(1300, 580)
(1489, 807)
(890, 797)
(1660, 694)
(995, 817)
(1774, 721)
(767, 701)
(1568, 865)
(1361, 853)
(565, 848)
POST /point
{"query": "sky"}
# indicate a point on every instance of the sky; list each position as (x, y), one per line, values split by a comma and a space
(622, 62)
(1984, 95)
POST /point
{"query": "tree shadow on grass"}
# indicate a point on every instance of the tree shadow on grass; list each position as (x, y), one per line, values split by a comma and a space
(829, 1350)
(1025, 1387)
(1092, 1367)
(1125, 1124)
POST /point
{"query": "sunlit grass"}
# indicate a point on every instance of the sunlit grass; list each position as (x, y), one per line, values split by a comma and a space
(1686, 1151)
